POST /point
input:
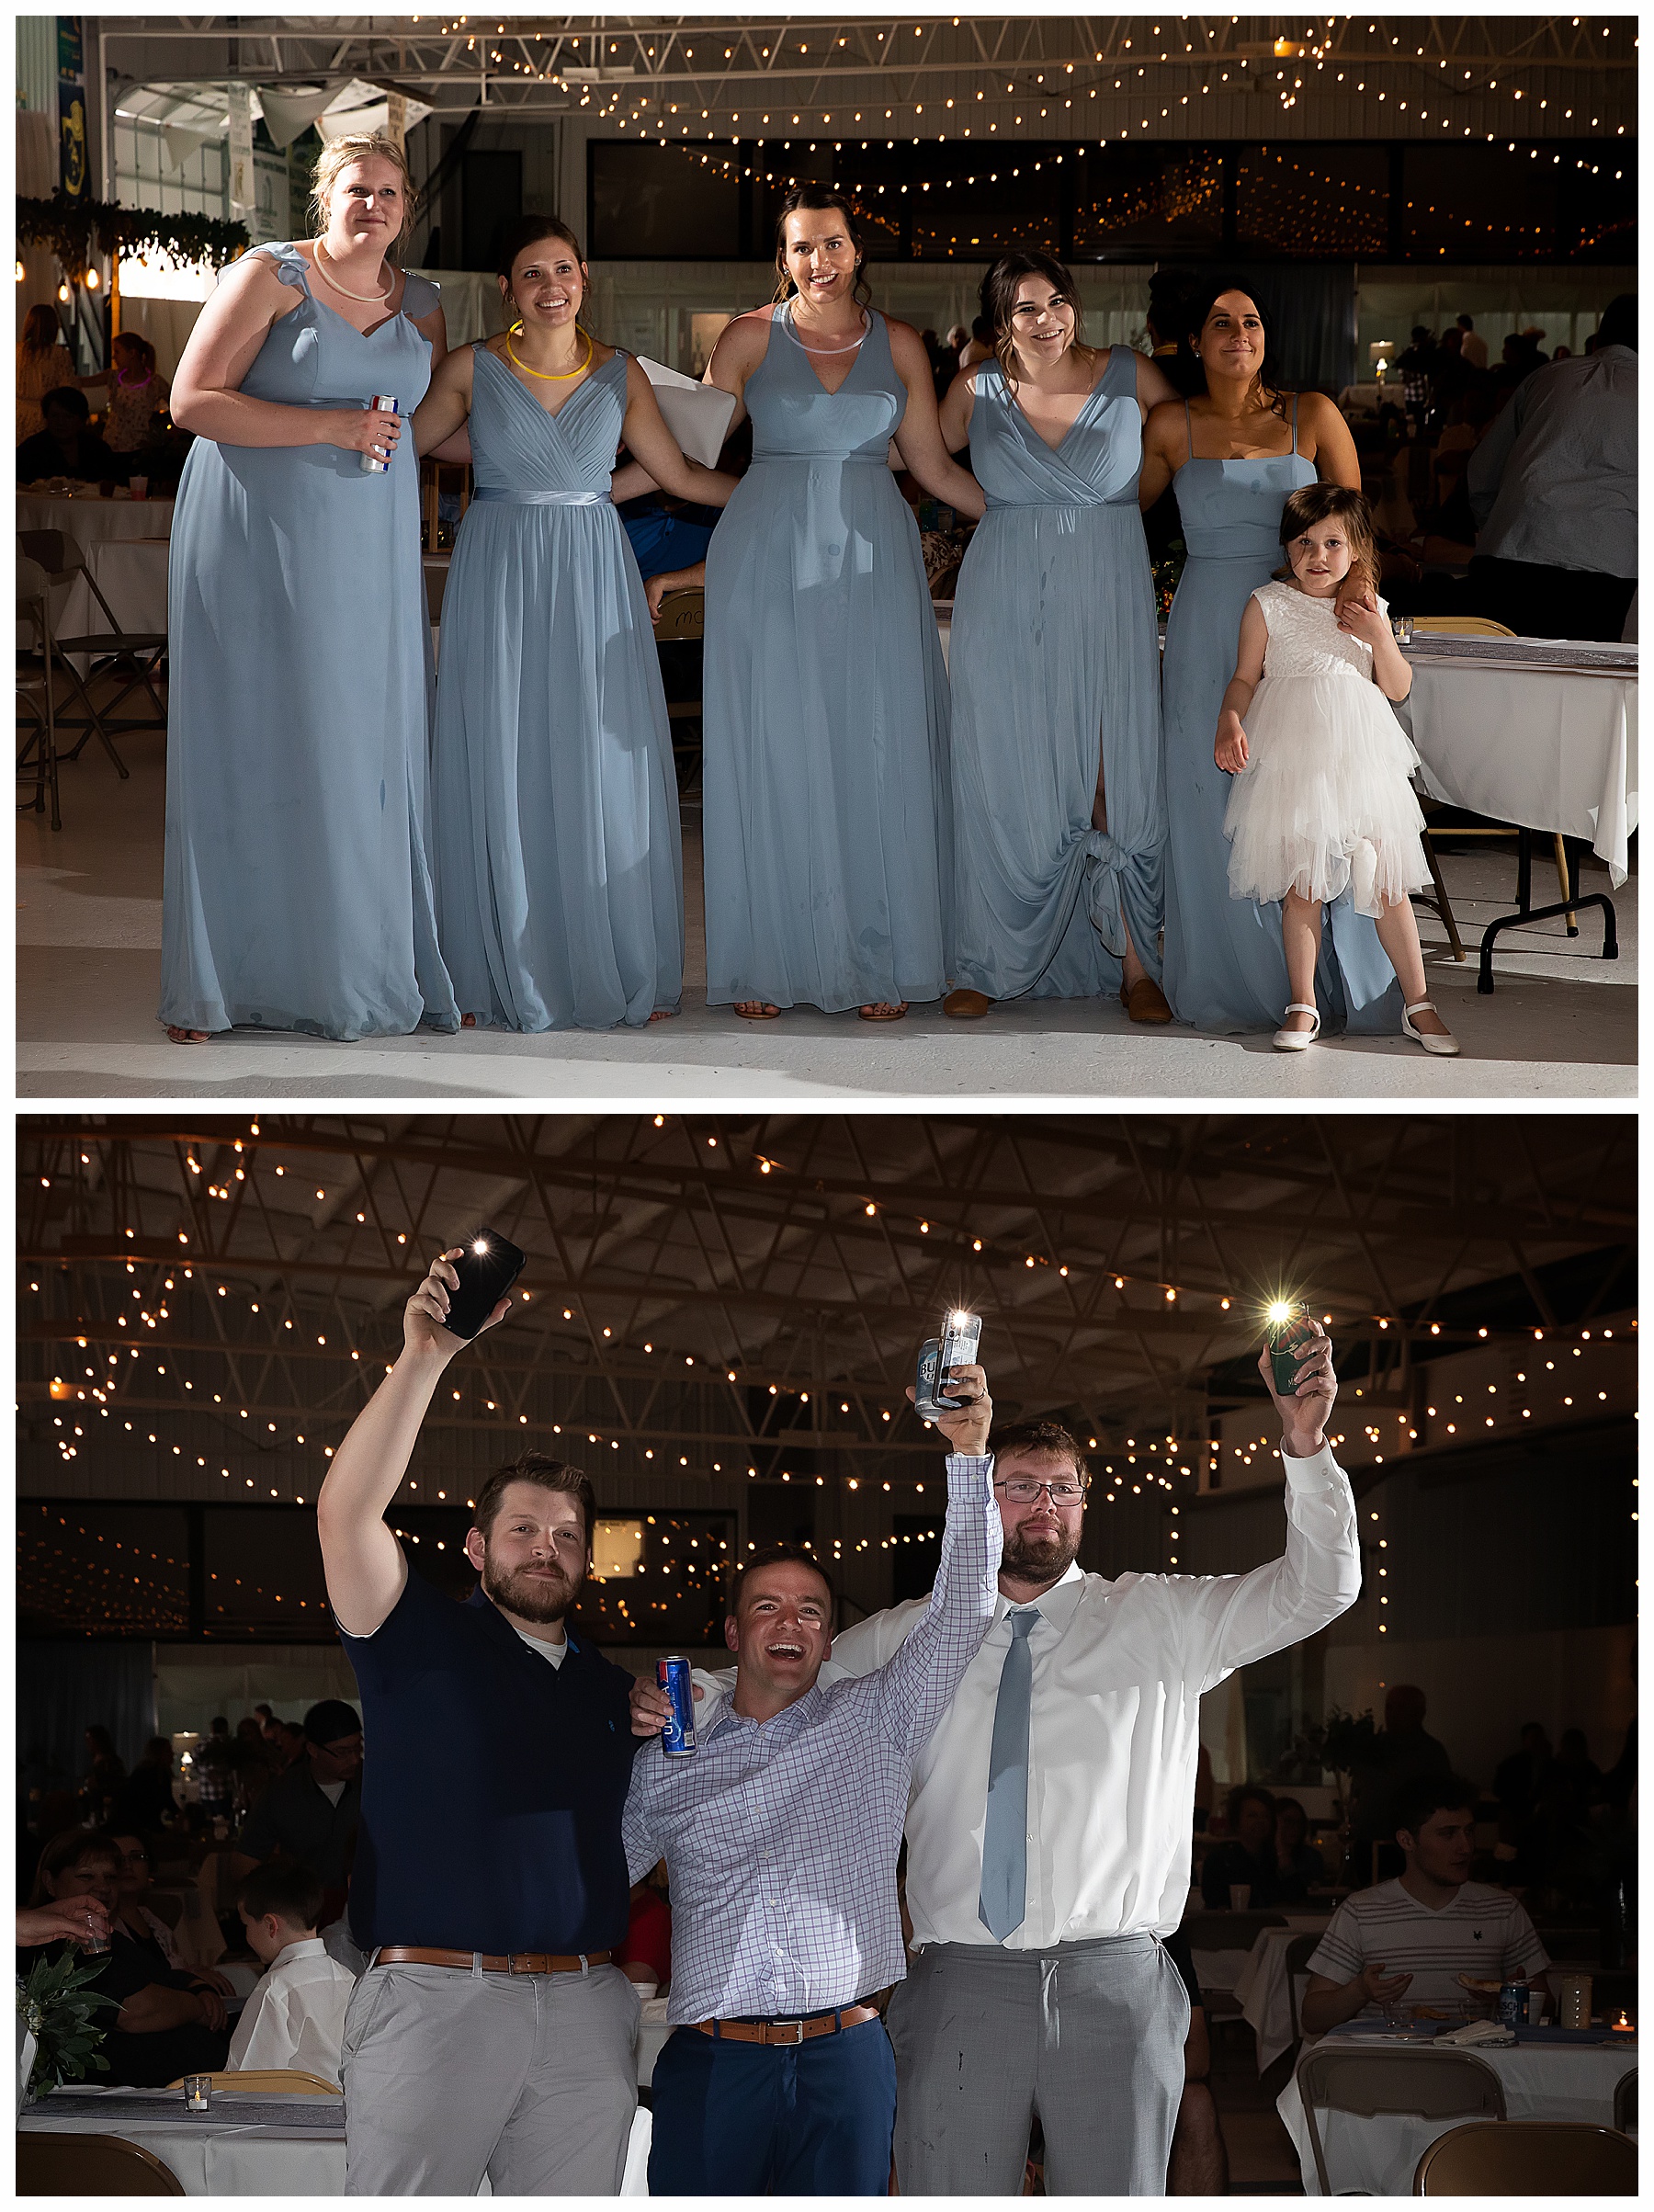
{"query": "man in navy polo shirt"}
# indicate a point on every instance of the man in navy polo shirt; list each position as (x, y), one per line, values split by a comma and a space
(490, 2032)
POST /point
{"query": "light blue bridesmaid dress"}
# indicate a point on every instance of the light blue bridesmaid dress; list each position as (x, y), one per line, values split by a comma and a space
(825, 702)
(1054, 656)
(559, 885)
(297, 891)
(1225, 967)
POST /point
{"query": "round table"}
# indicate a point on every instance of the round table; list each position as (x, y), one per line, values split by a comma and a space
(1377, 2156)
(87, 519)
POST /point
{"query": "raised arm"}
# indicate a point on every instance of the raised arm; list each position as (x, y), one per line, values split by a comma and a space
(230, 329)
(1235, 1618)
(363, 1561)
(919, 435)
(659, 453)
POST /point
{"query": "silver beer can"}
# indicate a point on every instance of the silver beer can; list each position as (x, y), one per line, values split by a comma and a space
(380, 404)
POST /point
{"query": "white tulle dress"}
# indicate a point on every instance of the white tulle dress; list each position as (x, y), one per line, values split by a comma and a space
(1324, 801)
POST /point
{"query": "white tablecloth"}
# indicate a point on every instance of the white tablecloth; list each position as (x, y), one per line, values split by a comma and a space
(1367, 398)
(216, 2156)
(1377, 2157)
(1552, 751)
(91, 520)
(1265, 2001)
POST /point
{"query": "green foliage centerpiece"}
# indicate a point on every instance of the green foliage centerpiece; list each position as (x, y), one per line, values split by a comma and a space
(55, 2004)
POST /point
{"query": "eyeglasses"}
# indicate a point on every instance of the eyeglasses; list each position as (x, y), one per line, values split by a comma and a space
(1060, 1494)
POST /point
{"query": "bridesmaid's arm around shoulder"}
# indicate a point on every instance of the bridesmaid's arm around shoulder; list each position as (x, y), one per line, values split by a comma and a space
(954, 419)
(1363, 617)
(1324, 439)
(1229, 752)
(919, 434)
(440, 417)
(1164, 444)
(246, 304)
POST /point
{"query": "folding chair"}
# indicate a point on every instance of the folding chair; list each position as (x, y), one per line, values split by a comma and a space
(60, 562)
(272, 2081)
(1528, 2158)
(1299, 1952)
(90, 2165)
(682, 621)
(37, 702)
(1625, 2103)
(1438, 2085)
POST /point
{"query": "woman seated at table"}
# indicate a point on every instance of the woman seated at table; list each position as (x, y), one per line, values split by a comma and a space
(1299, 1864)
(69, 445)
(1247, 1855)
(168, 2023)
(134, 1916)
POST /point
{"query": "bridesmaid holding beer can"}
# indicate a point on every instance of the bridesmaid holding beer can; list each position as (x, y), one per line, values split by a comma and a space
(297, 895)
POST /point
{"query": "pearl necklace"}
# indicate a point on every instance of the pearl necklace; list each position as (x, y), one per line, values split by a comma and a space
(372, 299)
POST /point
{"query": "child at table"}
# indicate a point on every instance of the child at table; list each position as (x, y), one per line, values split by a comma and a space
(294, 2018)
(1322, 800)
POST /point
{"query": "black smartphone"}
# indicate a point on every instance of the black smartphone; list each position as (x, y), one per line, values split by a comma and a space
(1285, 1329)
(487, 1269)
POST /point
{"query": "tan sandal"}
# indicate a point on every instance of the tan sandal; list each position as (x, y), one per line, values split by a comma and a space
(883, 1010)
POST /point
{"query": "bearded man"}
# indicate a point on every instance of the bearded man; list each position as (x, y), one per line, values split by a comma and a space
(490, 2032)
(1048, 1820)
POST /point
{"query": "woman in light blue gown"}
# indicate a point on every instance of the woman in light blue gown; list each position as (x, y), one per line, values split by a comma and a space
(559, 888)
(1058, 810)
(297, 891)
(828, 853)
(1233, 455)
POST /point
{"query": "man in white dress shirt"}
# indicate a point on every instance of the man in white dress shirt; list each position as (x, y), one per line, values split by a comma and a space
(1048, 1823)
(294, 2018)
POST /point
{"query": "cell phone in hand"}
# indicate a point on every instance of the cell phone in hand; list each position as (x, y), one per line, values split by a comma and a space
(1284, 1330)
(487, 1269)
(938, 1357)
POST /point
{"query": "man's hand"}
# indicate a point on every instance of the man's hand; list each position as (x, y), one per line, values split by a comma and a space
(1305, 1411)
(425, 1311)
(1380, 1988)
(966, 1429)
(650, 1707)
(77, 1919)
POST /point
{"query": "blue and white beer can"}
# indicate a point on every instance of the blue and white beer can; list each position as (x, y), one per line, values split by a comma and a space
(677, 1738)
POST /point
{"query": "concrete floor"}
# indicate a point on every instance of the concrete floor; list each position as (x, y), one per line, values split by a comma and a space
(1561, 1023)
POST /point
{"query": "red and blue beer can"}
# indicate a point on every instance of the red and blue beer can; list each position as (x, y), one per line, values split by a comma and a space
(677, 1738)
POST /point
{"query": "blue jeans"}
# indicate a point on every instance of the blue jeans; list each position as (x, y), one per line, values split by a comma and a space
(752, 2119)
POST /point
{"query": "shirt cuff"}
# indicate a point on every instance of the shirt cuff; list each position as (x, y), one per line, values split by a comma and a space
(1317, 1468)
(967, 1470)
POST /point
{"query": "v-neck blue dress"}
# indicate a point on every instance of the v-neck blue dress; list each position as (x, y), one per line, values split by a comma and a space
(297, 891)
(1054, 671)
(1226, 967)
(828, 855)
(559, 889)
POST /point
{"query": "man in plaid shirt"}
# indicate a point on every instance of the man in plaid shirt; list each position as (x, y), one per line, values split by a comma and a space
(780, 1837)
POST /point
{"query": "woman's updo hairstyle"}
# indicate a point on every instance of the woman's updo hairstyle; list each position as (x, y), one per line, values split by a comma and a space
(998, 296)
(341, 153)
(1333, 502)
(817, 199)
(1202, 301)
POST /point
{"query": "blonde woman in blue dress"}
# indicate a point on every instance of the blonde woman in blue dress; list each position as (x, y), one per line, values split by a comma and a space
(1322, 802)
(826, 808)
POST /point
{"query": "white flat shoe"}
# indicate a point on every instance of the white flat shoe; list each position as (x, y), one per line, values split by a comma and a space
(1299, 1040)
(1445, 1048)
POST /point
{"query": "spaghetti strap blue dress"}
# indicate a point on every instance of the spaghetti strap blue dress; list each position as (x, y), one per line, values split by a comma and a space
(1225, 965)
(297, 891)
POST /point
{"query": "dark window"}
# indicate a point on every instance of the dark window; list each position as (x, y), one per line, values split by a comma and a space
(263, 1573)
(1479, 203)
(491, 197)
(1312, 200)
(102, 1570)
(915, 1553)
(1158, 198)
(664, 203)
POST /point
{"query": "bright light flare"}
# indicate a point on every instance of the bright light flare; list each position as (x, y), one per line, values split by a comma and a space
(480, 1245)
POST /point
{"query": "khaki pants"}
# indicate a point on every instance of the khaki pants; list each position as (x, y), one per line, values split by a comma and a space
(530, 2078)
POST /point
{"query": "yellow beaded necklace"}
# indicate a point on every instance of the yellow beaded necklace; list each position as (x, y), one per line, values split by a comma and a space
(551, 376)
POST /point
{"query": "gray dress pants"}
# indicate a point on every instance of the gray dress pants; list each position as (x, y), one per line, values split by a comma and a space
(530, 2078)
(1089, 2036)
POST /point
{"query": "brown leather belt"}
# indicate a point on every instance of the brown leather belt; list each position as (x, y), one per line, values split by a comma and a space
(513, 1962)
(786, 2031)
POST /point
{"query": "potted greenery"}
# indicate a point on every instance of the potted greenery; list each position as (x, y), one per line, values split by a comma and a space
(55, 2004)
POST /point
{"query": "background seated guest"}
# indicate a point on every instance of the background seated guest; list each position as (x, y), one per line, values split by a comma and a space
(1553, 487)
(168, 2023)
(135, 1917)
(1247, 1855)
(68, 446)
(310, 1814)
(145, 1802)
(1297, 1863)
(1414, 1936)
(295, 2016)
(645, 1957)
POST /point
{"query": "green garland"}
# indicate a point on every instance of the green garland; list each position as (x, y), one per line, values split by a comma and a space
(76, 229)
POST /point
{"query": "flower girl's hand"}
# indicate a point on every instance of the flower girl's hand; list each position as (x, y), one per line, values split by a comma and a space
(1229, 752)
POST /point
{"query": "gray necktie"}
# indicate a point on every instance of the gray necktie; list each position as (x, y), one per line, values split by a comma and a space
(1005, 1899)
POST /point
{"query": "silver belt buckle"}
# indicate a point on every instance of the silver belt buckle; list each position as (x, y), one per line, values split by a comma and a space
(796, 2036)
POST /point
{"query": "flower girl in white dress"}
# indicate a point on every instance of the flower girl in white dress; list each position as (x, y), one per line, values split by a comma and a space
(1322, 800)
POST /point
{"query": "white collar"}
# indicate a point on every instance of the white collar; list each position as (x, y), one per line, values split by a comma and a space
(305, 1946)
(1055, 1606)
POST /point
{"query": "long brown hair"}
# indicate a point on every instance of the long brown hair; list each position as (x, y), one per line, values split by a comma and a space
(817, 199)
(998, 296)
(1267, 383)
(40, 330)
(1329, 502)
